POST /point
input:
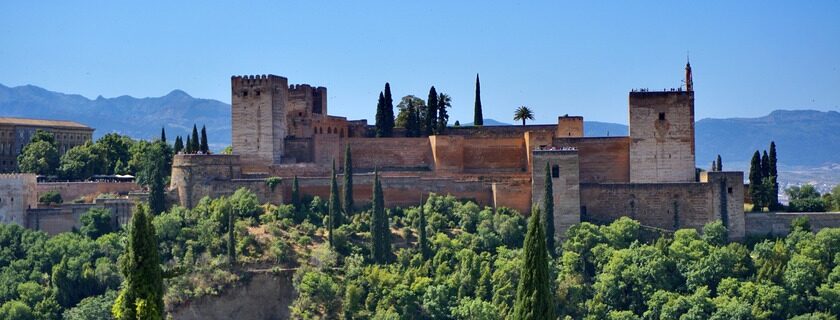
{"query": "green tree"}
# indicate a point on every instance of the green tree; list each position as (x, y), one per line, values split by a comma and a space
(296, 201)
(188, 146)
(40, 155)
(765, 165)
(431, 113)
(204, 147)
(114, 148)
(195, 145)
(231, 243)
(423, 241)
(96, 222)
(756, 188)
(155, 172)
(389, 111)
(163, 134)
(179, 145)
(381, 114)
(523, 113)
(548, 210)
(334, 207)
(774, 174)
(718, 164)
(81, 162)
(379, 225)
(478, 119)
(444, 102)
(533, 296)
(50, 197)
(16, 310)
(142, 289)
(93, 308)
(412, 123)
(348, 182)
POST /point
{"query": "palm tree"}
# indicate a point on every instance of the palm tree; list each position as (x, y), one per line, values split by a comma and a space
(523, 113)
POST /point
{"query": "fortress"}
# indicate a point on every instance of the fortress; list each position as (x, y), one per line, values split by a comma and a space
(282, 130)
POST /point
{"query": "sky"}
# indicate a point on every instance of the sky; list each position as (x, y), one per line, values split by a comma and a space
(556, 57)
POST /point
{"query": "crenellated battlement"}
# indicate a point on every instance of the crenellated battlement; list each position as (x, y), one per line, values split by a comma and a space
(256, 80)
(18, 176)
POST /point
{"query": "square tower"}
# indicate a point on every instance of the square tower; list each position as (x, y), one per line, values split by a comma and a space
(564, 167)
(258, 117)
(662, 136)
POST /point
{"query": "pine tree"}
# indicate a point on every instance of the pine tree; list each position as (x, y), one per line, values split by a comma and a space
(194, 146)
(533, 295)
(389, 111)
(548, 210)
(231, 244)
(756, 181)
(380, 228)
(765, 165)
(142, 290)
(156, 173)
(774, 175)
(204, 147)
(423, 241)
(334, 205)
(411, 123)
(431, 112)
(163, 134)
(188, 146)
(348, 182)
(179, 145)
(485, 283)
(479, 118)
(714, 166)
(444, 102)
(719, 164)
(381, 121)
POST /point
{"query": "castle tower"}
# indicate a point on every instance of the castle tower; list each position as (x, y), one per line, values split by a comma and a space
(689, 83)
(258, 117)
(662, 135)
(565, 180)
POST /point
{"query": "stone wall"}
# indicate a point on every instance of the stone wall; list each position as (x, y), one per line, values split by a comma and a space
(662, 136)
(495, 155)
(762, 224)
(390, 153)
(64, 218)
(564, 171)
(75, 190)
(602, 159)
(194, 176)
(17, 194)
(258, 115)
(569, 126)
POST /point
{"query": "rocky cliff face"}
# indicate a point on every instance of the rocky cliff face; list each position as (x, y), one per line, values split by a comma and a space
(264, 296)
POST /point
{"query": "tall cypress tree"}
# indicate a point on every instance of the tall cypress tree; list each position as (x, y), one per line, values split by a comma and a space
(389, 111)
(156, 171)
(334, 205)
(381, 121)
(765, 165)
(774, 176)
(443, 115)
(188, 146)
(231, 245)
(163, 134)
(143, 277)
(411, 122)
(296, 201)
(719, 164)
(431, 112)
(533, 295)
(424, 241)
(179, 145)
(380, 228)
(479, 117)
(194, 144)
(204, 147)
(548, 210)
(756, 181)
(348, 182)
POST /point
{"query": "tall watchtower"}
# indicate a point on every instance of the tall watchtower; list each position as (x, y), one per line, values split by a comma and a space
(258, 116)
(662, 135)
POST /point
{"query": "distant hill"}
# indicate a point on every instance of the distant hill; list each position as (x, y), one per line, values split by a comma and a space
(136, 117)
(488, 122)
(804, 137)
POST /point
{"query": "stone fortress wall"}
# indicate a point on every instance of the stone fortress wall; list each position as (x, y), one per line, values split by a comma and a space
(17, 194)
(283, 130)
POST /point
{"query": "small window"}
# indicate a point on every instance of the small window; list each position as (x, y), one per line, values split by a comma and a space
(258, 93)
(729, 190)
(555, 171)
(662, 116)
(244, 93)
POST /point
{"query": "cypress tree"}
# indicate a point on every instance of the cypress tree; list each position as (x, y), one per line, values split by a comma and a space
(194, 146)
(765, 165)
(204, 147)
(774, 175)
(424, 241)
(443, 115)
(334, 205)
(188, 146)
(348, 182)
(231, 245)
(389, 111)
(431, 112)
(411, 123)
(714, 166)
(548, 210)
(156, 172)
(479, 118)
(533, 295)
(142, 290)
(719, 164)
(756, 180)
(296, 200)
(179, 145)
(163, 134)
(381, 121)
(380, 228)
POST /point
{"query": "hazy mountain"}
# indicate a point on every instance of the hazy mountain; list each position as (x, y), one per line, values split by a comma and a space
(136, 117)
(804, 137)
(489, 122)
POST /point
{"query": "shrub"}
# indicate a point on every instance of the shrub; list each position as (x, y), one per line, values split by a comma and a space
(50, 197)
(807, 205)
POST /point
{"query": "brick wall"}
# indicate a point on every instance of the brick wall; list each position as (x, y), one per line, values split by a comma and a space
(390, 153)
(74, 190)
(602, 159)
(761, 224)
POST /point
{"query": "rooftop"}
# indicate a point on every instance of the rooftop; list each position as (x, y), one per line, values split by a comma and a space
(42, 123)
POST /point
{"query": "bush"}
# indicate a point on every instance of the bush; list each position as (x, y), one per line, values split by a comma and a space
(807, 205)
(50, 197)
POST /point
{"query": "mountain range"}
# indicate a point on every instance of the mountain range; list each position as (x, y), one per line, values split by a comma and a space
(803, 137)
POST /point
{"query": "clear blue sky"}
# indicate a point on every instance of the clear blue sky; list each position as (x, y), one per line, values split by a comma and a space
(580, 57)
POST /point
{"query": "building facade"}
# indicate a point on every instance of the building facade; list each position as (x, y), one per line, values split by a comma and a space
(15, 133)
